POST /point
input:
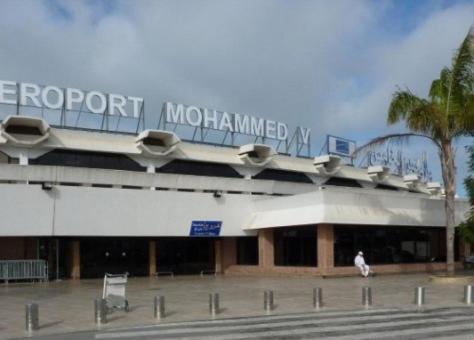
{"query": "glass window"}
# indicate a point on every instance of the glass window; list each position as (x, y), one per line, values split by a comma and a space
(283, 175)
(88, 159)
(295, 246)
(389, 245)
(185, 255)
(185, 167)
(247, 250)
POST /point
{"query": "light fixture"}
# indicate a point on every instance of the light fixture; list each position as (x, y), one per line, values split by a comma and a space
(46, 186)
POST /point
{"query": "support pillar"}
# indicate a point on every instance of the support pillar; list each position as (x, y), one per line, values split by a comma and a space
(228, 252)
(218, 256)
(76, 260)
(151, 258)
(325, 248)
(265, 249)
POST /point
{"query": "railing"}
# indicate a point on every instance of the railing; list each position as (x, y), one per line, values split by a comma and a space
(161, 273)
(23, 270)
(208, 272)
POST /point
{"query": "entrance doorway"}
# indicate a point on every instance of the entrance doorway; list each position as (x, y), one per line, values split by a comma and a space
(56, 252)
(114, 255)
(185, 255)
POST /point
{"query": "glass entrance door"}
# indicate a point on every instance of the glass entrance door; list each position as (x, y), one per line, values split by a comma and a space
(114, 256)
(185, 255)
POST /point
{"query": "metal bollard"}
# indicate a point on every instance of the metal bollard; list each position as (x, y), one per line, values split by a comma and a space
(268, 300)
(419, 296)
(31, 317)
(214, 303)
(317, 297)
(366, 296)
(159, 307)
(468, 294)
(100, 311)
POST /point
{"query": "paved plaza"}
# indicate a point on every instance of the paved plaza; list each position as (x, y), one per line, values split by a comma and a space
(440, 323)
(67, 306)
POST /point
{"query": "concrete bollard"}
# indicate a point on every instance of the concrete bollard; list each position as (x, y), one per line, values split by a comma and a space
(468, 294)
(31, 317)
(366, 296)
(268, 300)
(100, 311)
(317, 297)
(214, 303)
(159, 307)
(419, 296)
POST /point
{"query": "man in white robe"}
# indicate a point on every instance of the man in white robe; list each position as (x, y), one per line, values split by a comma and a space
(359, 262)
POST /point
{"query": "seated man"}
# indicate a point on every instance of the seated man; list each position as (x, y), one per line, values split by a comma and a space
(359, 262)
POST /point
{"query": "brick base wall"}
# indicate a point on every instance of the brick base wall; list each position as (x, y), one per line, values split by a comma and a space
(338, 271)
(17, 248)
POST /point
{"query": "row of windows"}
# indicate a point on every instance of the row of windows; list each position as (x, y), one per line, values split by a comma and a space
(388, 245)
(297, 246)
(184, 167)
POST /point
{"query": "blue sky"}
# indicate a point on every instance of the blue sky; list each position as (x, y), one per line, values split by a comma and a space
(328, 65)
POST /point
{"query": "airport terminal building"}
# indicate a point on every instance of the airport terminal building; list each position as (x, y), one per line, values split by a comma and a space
(91, 202)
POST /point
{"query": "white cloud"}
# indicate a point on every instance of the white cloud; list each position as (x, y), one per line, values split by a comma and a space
(331, 66)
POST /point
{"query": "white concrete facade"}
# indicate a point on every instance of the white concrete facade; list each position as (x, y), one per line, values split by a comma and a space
(175, 200)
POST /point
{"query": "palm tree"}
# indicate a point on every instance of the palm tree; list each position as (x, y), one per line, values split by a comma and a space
(446, 115)
(466, 229)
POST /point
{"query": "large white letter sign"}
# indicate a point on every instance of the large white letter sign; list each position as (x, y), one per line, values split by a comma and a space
(210, 118)
(304, 134)
(242, 123)
(117, 101)
(232, 122)
(226, 122)
(52, 97)
(8, 89)
(73, 96)
(270, 129)
(31, 92)
(282, 131)
(174, 116)
(101, 99)
(71, 99)
(136, 105)
(257, 127)
(197, 119)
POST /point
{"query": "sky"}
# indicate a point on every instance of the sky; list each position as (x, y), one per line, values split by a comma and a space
(331, 66)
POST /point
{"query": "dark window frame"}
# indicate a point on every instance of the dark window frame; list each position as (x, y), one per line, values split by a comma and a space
(88, 159)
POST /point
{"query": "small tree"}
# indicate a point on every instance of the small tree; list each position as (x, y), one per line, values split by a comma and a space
(446, 115)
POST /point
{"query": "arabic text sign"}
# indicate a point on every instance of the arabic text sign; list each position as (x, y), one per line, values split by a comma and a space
(205, 228)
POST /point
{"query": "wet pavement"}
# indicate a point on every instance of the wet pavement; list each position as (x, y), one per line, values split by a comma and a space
(68, 306)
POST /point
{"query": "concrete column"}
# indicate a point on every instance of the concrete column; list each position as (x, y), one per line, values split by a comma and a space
(265, 248)
(325, 248)
(76, 260)
(218, 256)
(151, 169)
(23, 158)
(151, 258)
(228, 252)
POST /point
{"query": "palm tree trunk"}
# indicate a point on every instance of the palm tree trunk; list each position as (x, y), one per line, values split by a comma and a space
(449, 179)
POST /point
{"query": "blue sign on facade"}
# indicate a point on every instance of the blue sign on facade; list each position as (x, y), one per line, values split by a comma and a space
(205, 228)
(342, 146)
